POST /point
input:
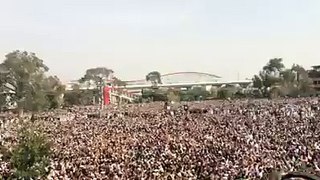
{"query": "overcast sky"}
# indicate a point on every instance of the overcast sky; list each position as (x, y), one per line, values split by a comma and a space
(134, 37)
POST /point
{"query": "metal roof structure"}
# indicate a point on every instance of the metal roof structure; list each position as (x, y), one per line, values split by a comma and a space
(245, 82)
(180, 77)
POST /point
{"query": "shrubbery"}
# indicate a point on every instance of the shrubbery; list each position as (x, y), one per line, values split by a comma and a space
(176, 95)
(30, 156)
(80, 97)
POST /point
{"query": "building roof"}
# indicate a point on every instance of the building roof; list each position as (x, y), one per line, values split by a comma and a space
(316, 67)
(180, 77)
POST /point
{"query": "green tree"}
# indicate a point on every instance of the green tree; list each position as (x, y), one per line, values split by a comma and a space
(4, 72)
(173, 95)
(80, 97)
(3, 101)
(98, 78)
(274, 66)
(269, 76)
(224, 93)
(30, 157)
(118, 82)
(6, 89)
(295, 81)
(303, 79)
(199, 93)
(239, 94)
(288, 76)
(213, 92)
(72, 98)
(288, 82)
(26, 73)
(258, 82)
(154, 77)
(5, 79)
(147, 94)
(155, 94)
(187, 96)
(54, 91)
(275, 80)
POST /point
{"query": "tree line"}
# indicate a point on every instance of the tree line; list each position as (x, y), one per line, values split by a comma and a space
(274, 80)
(24, 82)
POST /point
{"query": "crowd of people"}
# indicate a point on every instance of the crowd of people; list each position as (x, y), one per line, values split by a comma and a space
(200, 140)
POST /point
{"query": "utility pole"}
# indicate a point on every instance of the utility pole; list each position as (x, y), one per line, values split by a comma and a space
(102, 97)
(101, 94)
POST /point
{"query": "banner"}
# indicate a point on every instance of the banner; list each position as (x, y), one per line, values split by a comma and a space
(106, 95)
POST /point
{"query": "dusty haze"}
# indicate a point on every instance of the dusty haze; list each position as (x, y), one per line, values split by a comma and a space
(226, 38)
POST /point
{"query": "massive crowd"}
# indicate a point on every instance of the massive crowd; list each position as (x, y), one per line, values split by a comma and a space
(207, 140)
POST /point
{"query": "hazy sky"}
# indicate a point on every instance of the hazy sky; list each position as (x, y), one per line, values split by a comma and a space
(134, 37)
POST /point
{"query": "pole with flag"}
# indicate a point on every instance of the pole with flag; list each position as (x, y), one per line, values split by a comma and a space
(106, 94)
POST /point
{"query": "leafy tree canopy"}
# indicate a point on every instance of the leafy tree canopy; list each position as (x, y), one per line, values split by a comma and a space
(274, 66)
(281, 81)
(23, 74)
(30, 157)
(96, 75)
(118, 82)
(154, 77)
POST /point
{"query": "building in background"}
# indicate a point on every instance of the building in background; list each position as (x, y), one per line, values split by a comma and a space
(314, 75)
